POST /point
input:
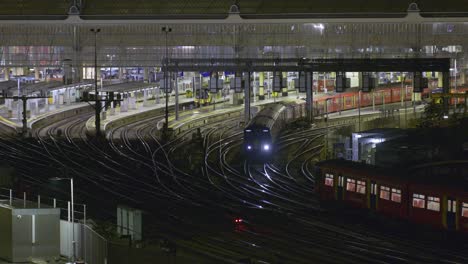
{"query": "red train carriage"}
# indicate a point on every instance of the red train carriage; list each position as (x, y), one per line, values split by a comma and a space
(350, 100)
(392, 193)
(439, 205)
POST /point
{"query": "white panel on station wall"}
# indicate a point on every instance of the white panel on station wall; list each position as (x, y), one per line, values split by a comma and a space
(354, 76)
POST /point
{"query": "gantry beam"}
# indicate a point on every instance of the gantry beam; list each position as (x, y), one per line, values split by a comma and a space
(318, 65)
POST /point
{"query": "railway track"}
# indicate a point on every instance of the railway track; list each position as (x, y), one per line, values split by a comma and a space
(195, 206)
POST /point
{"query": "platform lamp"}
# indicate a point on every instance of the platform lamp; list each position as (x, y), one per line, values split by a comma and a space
(72, 213)
(97, 106)
(166, 30)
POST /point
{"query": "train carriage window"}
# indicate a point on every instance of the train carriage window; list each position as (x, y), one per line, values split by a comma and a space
(451, 206)
(433, 203)
(373, 188)
(351, 185)
(361, 187)
(465, 210)
(384, 193)
(396, 195)
(329, 179)
(419, 201)
(340, 181)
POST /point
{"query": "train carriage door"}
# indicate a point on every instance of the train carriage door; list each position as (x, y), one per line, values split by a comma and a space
(373, 196)
(339, 188)
(451, 213)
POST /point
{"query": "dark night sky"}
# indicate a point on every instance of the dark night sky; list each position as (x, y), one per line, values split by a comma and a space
(122, 7)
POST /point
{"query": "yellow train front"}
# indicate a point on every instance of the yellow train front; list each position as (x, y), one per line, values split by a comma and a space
(202, 97)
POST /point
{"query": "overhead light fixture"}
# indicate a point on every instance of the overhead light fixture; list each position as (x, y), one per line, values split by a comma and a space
(319, 26)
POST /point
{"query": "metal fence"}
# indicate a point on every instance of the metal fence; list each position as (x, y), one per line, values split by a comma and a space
(90, 246)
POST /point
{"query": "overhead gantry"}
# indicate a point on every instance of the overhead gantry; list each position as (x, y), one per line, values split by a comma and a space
(307, 66)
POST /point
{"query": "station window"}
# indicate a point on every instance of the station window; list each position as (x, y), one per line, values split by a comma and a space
(433, 203)
(451, 206)
(361, 187)
(396, 195)
(465, 210)
(351, 185)
(329, 179)
(419, 201)
(384, 193)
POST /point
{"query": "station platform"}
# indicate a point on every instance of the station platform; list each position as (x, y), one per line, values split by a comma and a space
(63, 100)
(141, 110)
(44, 113)
(200, 116)
(187, 112)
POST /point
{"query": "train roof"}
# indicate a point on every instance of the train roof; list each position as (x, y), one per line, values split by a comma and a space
(360, 168)
(267, 116)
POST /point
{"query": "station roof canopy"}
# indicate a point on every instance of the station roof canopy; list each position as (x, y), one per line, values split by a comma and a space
(49, 33)
(220, 8)
(355, 64)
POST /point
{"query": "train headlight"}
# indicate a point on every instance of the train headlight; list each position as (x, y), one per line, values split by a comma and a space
(266, 147)
(249, 147)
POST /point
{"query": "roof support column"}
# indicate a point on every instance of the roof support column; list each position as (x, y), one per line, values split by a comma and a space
(247, 99)
(77, 68)
(37, 74)
(146, 74)
(176, 95)
(285, 89)
(446, 90)
(261, 88)
(122, 72)
(462, 77)
(309, 95)
(7, 73)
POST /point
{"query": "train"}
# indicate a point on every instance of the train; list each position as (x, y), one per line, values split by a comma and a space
(202, 97)
(350, 100)
(262, 130)
(420, 195)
